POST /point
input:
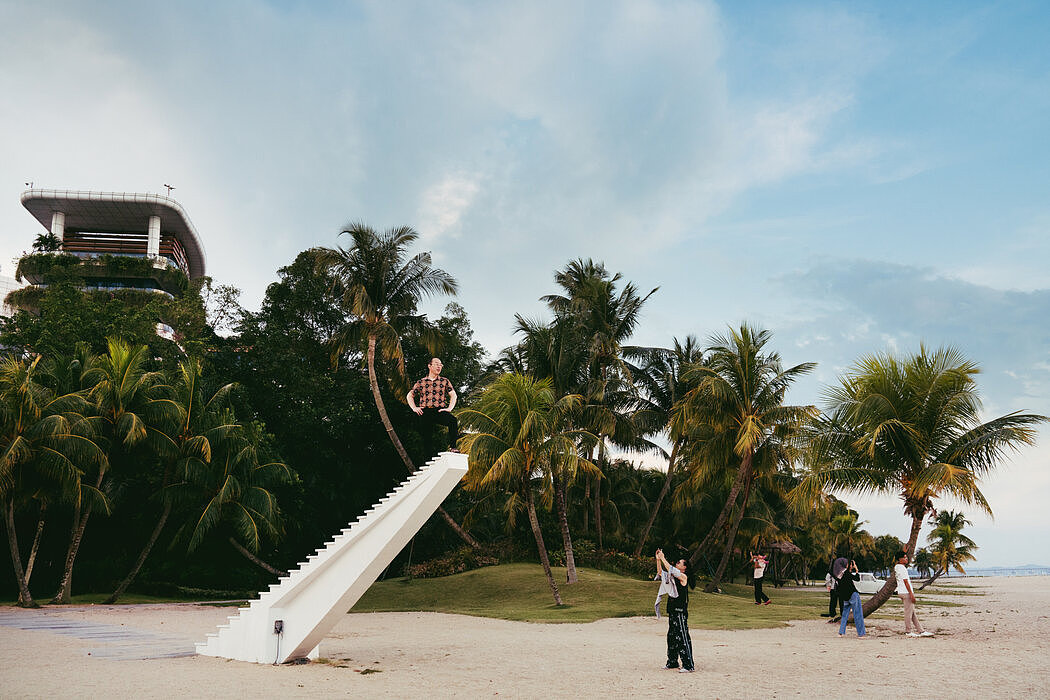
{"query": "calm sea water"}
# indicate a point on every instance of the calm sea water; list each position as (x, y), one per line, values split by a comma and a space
(1006, 571)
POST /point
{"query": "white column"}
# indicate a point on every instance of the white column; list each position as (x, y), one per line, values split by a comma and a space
(58, 224)
(153, 246)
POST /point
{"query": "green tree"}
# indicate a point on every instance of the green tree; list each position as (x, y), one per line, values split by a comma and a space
(380, 287)
(738, 403)
(659, 376)
(194, 419)
(950, 548)
(45, 443)
(911, 427)
(520, 435)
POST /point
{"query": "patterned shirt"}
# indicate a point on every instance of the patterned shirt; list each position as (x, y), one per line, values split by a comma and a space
(431, 393)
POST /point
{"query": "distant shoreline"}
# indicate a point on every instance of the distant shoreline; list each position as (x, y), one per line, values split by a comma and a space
(1001, 571)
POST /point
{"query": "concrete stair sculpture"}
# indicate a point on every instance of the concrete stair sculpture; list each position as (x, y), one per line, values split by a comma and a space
(310, 600)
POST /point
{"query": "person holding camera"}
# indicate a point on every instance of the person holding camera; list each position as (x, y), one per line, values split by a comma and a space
(759, 563)
(850, 598)
(679, 645)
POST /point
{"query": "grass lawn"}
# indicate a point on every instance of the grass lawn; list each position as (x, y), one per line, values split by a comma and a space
(520, 592)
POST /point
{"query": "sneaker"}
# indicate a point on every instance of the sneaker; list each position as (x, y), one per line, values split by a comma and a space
(842, 634)
(757, 603)
(685, 670)
(926, 634)
(767, 602)
(669, 667)
(913, 634)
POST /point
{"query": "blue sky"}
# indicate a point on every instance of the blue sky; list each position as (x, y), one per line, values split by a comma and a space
(856, 177)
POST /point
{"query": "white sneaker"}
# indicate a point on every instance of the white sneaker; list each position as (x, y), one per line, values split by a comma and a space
(913, 634)
(685, 670)
(926, 634)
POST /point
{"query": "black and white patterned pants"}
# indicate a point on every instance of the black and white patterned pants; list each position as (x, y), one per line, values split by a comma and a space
(679, 645)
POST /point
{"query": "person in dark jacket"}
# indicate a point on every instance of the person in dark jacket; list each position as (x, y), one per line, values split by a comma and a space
(679, 645)
(850, 598)
(830, 579)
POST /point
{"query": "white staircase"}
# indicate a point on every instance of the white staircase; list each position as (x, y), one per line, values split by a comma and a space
(310, 600)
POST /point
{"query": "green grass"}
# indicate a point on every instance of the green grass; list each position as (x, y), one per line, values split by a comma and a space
(520, 592)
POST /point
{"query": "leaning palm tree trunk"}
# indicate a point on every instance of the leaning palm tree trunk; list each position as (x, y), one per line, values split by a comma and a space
(566, 538)
(142, 557)
(36, 541)
(889, 588)
(936, 575)
(544, 559)
(659, 500)
(728, 551)
(256, 560)
(25, 600)
(373, 382)
(65, 587)
(720, 523)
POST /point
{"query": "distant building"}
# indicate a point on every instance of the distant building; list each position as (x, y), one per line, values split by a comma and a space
(105, 230)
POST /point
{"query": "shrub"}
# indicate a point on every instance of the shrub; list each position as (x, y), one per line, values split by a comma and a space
(456, 562)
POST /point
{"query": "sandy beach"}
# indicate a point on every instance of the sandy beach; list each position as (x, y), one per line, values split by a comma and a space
(993, 646)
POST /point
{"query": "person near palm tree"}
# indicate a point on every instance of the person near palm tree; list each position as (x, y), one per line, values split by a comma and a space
(679, 645)
(904, 590)
(433, 398)
(759, 562)
(847, 593)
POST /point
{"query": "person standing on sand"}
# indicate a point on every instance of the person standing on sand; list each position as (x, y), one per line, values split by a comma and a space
(679, 645)
(433, 398)
(850, 598)
(833, 598)
(904, 590)
(759, 562)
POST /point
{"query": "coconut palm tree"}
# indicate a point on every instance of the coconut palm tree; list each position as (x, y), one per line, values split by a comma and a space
(45, 443)
(519, 435)
(658, 373)
(233, 491)
(194, 419)
(737, 405)
(120, 390)
(380, 287)
(950, 548)
(846, 528)
(912, 427)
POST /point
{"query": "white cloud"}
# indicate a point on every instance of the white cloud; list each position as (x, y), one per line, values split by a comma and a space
(444, 203)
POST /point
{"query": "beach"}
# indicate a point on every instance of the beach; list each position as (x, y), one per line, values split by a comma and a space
(994, 645)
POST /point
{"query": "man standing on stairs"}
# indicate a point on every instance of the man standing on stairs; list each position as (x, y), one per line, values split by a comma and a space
(433, 398)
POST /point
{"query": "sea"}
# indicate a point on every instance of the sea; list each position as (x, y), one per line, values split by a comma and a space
(1026, 570)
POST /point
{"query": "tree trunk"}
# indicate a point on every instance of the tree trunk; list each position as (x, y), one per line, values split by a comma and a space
(745, 469)
(544, 559)
(890, 587)
(36, 541)
(734, 491)
(936, 575)
(586, 514)
(598, 530)
(659, 500)
(65, 586)
(142, 557)
(458, 529)
(566, 538)
(25, 600)
(256, 560)
(373, 382)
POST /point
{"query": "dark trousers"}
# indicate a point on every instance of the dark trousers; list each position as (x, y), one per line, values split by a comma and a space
(760, 597)
(833, 603)
(433, 416)
(679, 645)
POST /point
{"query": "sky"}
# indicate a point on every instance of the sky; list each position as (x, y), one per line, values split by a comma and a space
(857, 177)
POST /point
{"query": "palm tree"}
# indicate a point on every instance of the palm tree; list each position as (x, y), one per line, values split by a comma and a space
(923, 562)
(193, 423)
(379, 287)
(912, 427)
(950, 547)
(520, 435)
(121, 390)
(738, 406)
(45, 442)
(659, 375)
(846, 527)
(234, 489)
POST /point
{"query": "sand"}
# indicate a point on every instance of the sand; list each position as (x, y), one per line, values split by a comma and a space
(993, 646)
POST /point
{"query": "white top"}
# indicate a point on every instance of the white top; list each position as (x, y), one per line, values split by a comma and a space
(760, 567)
(901, 573)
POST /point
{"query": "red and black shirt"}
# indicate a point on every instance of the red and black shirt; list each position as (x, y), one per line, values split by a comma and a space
(431, 393)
